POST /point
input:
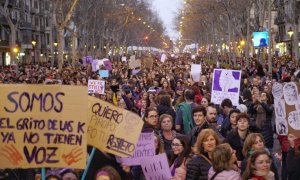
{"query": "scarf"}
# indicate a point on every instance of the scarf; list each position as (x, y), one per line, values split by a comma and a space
(267, 176)
(186, 110)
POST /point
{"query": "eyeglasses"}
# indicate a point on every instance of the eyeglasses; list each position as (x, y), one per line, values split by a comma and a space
(176, 145)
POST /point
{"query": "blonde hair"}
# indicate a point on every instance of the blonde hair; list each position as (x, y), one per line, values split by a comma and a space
(249, 141)
(203, 135)
(221, 157)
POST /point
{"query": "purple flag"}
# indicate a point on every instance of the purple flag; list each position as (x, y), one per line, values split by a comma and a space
(108, 65)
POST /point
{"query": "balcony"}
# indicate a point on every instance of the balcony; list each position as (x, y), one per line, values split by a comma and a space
(4, 43)
(25, 25)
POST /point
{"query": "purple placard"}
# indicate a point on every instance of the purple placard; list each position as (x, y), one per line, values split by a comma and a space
(89, 59)
(135, 71)
(108, 65)
(156, 167)
(95, 65)
(226, 84)
(144, 147)
(223, 77)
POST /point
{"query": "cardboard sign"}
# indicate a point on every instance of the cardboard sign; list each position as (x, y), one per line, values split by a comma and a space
(156, 167)
(96, 86)
(148, 62)
(144, 147)
(287, 108)
(43, 126)
(221, 88)
(196, 72)
(112, 129)
(104, 73)
(134, 64)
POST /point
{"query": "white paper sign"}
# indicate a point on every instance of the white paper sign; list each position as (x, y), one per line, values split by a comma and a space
(196, 72)
(96, 86)
(163, 58)
(226, 84)
(193, 56)
(124, 59)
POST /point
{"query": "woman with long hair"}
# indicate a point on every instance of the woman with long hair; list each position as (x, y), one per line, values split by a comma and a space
(181, 150)
(198, 166)
(224, 164)
(259, 166)
(255, 142)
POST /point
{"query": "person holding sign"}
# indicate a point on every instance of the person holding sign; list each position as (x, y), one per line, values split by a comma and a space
(181, 150)
(198, 166)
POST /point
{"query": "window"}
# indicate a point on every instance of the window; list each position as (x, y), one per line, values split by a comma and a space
(48, 38)
(36, 19)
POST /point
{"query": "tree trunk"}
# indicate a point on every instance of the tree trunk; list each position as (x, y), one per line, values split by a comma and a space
(60, 47)
(74, 54)
(248, 38)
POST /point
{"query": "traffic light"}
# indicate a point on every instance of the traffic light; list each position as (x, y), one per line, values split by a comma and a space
(146, 38)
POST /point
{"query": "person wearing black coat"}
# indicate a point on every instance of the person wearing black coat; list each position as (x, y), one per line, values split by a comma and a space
(164, 107)
(293, 159)
(237, 136)
(199, 165)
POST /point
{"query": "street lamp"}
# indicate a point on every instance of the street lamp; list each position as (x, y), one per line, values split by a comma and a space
(290, 33)
(33, 42)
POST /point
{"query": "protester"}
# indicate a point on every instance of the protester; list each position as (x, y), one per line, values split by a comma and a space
(198, 166)
(181, 149)
(224, 164)
(259, 166)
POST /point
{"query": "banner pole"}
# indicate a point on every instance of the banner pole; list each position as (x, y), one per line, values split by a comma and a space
(43, 174)
(89, 163)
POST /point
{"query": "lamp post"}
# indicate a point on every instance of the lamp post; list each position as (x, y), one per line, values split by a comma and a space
(55, 51)
(33, 42)
(290, 33)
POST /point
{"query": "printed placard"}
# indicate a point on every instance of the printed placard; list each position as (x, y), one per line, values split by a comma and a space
(226, 84)
(112, 129)
(156, 167)
(144, 147)
(286, 103)
(96, 86)
(43, 126)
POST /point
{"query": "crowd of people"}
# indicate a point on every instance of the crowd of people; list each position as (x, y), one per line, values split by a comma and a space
(202, 140)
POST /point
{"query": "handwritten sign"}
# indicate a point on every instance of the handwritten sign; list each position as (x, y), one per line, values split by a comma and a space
(144, 147)
(148, 62)
(287, 108)
(112, 129)
(222, 89)
(156, 167)
(108, 65)
(96, 86)
(134, 63)
(43, 126)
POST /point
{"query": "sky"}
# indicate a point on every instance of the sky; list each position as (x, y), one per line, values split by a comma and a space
(167, 10)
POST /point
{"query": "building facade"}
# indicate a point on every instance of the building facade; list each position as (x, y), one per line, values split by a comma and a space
(33, 23)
